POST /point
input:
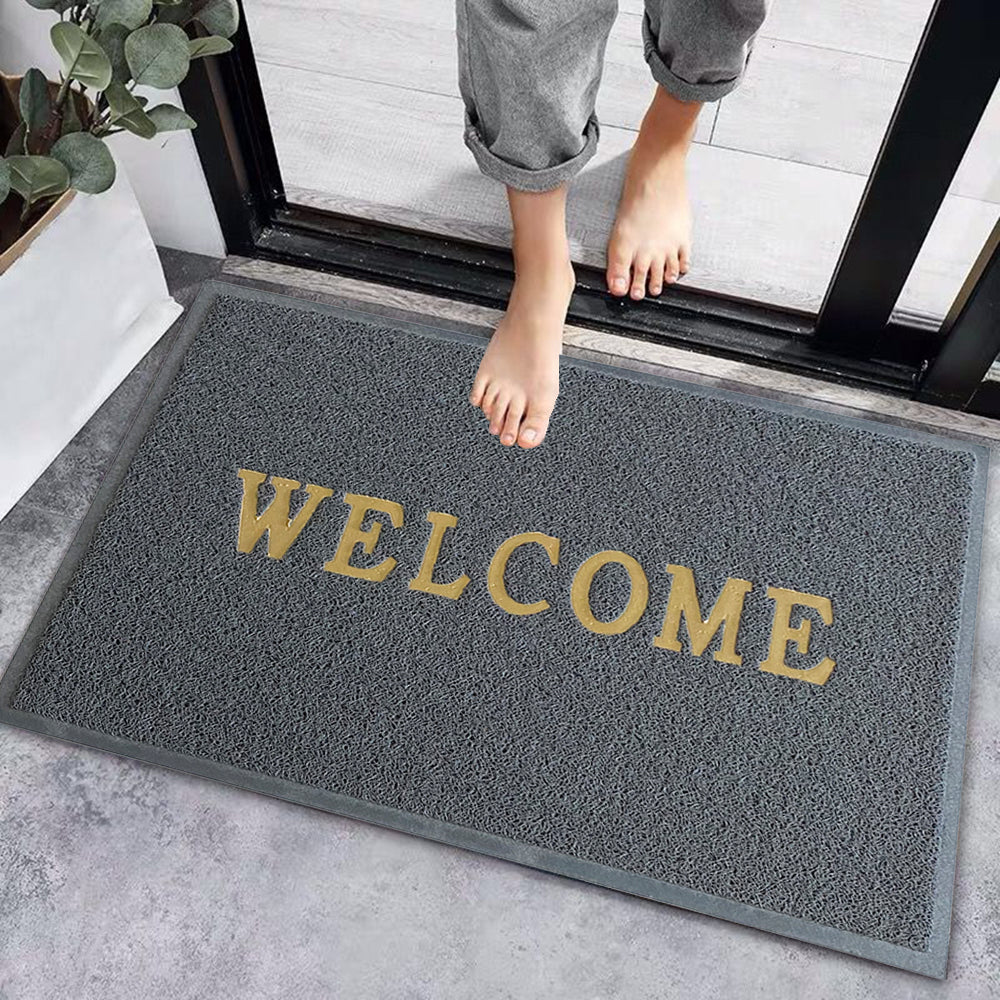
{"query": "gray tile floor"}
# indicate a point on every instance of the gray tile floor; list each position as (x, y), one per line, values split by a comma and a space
(122, 880)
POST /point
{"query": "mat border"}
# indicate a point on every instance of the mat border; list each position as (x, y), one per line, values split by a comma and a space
(932, 962)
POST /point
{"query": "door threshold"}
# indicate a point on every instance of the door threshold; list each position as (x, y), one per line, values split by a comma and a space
(613, 347)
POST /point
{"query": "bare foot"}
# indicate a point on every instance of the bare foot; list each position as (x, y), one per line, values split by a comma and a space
(651, 239)
(518, 379)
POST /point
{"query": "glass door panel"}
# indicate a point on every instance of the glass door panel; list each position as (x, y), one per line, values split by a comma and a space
(962, 226)
(363, 103)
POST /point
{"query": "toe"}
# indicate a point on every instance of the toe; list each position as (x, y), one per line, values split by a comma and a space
(490, 395)
(640, 271)
(683, 259)
(672, 269)
(618, 268)
(512, 423)
(656, 269)
(534, 426)
(499, 412)
(478, 390)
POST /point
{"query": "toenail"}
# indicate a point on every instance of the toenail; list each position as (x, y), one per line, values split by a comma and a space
(618, 284)
(530, 435)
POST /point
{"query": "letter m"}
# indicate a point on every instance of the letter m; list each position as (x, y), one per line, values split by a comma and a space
(683, 601)
(281, 531)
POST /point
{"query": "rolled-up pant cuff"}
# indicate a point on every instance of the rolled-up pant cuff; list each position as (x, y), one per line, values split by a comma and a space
(683, 90)
(525, 178)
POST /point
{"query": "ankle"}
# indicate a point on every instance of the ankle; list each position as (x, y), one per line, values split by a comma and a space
(545, 254)
(669, 124)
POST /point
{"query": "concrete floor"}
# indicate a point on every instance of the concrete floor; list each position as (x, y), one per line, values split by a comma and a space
(123, 880)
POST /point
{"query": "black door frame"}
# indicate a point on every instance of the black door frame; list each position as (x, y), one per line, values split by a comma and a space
(853, 339)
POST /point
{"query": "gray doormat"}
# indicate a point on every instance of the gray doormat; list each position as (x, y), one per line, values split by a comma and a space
(606, 734)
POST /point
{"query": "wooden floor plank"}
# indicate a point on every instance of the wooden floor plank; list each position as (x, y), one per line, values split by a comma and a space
(832, 109)
(888, 29)
(811, 105)
(979, 174)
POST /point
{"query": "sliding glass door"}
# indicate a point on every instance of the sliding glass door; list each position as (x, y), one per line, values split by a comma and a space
(841, 194)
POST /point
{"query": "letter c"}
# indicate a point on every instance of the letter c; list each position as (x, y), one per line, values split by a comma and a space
(498, 564)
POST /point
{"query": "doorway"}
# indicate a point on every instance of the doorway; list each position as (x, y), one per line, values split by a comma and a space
(846, 195)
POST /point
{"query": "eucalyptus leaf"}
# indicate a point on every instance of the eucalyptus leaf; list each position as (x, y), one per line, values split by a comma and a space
(220, 17)
(36, 177)
(112, 40)
(71, 116)
(91, 166)
(83, 59)
(33, 100)
(15, 144)
(169, 118)
(175, 13)
(158, 55)
(56, 5)
(4, 180)
(212, 45)
(127, 112)
(130, 13)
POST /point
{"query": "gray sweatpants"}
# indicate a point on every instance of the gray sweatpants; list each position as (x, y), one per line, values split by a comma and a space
(528, 72)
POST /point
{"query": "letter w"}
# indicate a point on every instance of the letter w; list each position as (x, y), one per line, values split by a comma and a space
(281, 531)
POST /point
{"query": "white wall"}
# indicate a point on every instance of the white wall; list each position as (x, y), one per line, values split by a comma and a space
(165, 171)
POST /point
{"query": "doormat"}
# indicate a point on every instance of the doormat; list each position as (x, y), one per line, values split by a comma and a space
(706, 649)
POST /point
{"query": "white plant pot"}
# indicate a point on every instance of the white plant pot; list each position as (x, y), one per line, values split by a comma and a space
(78, 310)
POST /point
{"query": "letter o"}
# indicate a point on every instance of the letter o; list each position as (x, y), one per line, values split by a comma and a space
(580, 593)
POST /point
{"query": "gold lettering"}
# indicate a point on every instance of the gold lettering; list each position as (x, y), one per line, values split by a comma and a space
(281, 531)
(580, 593)
(424, 579)
(354, 535)
(498, 564)
(726, 614)
(782, 634)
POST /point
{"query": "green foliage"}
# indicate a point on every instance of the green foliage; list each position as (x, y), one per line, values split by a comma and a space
(168, 118)
(71, 121)
(211, 45)
(112, 39)
(127, 112)
(82, 58)
(17, 140)
(158, 55)
(37, 177)
(108, 48)
(34, 100)
(219, 17)
(90, 164)
(129, 13)
(57, 5)
(180, 13)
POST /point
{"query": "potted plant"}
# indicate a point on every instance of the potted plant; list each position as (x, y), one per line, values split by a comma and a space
(82, 292)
